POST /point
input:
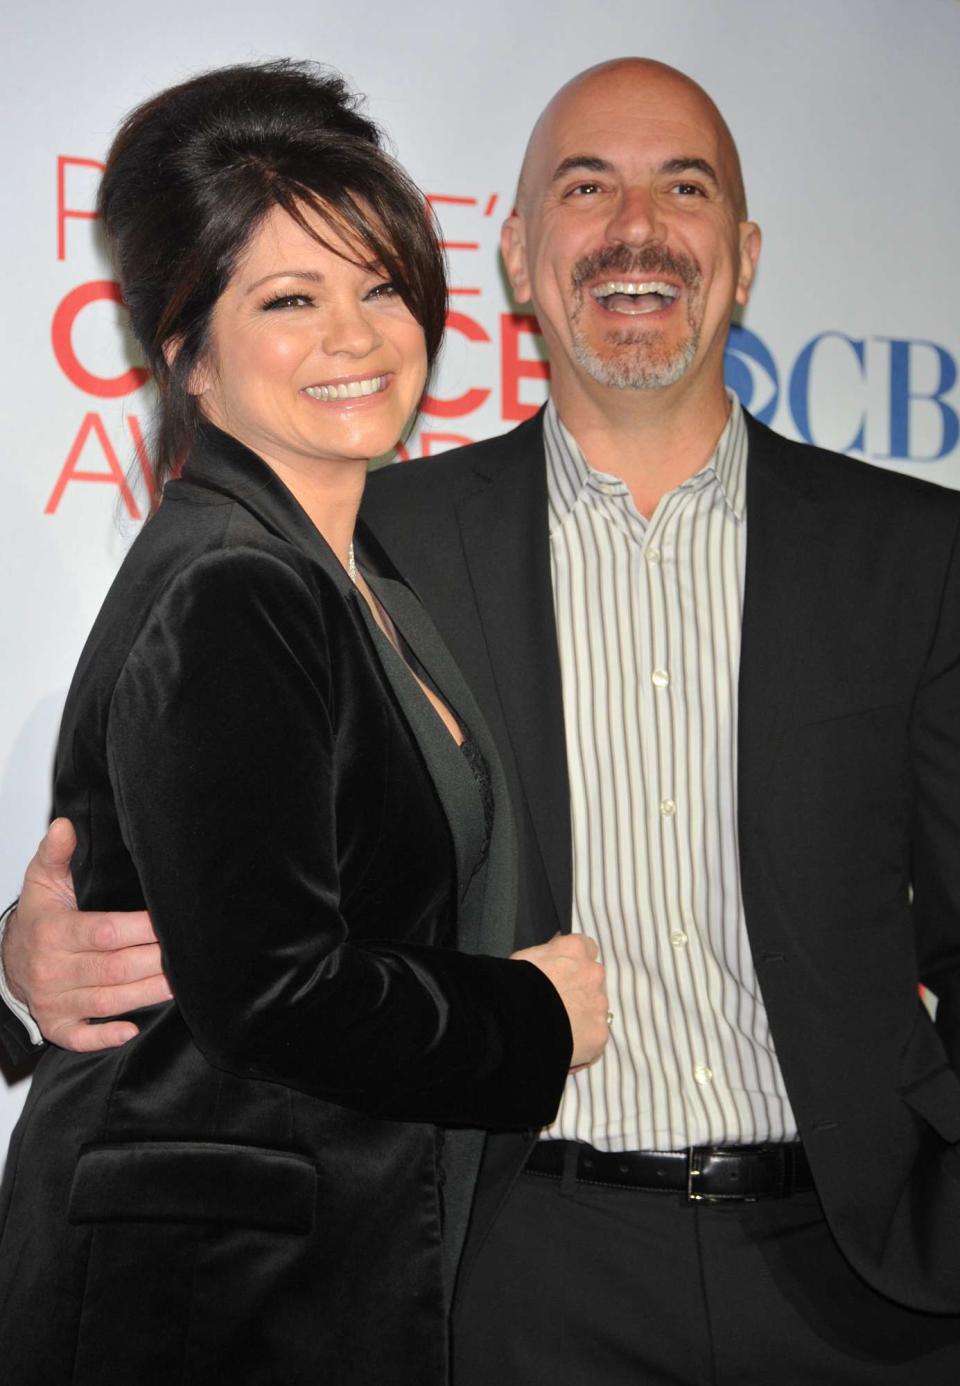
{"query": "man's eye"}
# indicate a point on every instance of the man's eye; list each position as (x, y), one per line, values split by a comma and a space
(583, 189)
(689, 190)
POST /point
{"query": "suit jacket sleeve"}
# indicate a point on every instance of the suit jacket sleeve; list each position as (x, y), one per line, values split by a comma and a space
(935, 757)
(221, 738)
(19, 1035)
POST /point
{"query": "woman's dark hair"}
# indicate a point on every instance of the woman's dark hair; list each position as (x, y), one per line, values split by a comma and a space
(193, 172)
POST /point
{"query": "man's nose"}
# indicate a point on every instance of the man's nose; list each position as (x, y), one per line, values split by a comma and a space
(637, 218)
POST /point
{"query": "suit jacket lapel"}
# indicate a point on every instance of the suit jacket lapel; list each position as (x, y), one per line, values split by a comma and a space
(785, 572)
(507, 548)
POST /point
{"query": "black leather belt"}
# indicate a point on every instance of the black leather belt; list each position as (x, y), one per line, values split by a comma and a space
(739, 1173)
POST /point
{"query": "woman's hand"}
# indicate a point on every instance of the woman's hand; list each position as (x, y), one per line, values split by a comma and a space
(570, 962)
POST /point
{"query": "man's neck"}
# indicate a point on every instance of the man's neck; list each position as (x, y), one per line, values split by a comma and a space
(652, 439)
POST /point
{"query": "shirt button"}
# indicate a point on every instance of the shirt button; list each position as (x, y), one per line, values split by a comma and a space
(652, 555)
(679, 939)
(660, 678)
(667, 808)
(609, 488)
(702, 1074)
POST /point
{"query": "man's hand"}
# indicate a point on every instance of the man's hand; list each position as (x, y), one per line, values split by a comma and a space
(69, 967)
(570, 962)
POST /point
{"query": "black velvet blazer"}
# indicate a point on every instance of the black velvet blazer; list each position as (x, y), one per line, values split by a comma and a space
(251, 1189)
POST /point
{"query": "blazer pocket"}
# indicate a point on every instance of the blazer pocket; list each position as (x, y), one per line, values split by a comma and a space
(194, 1182)
(928, 1083)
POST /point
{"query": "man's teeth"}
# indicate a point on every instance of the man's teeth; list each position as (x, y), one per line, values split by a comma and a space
(635, 290)
(354, 390)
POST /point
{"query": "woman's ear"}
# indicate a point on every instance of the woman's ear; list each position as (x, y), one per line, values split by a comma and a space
(198, 382)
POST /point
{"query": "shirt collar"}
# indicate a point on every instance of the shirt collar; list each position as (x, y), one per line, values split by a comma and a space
(569, 475)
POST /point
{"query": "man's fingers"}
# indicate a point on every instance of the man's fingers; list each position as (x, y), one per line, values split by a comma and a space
(59, 1022)
(86, 1039)
(99, 1002)
(48, 873)
(90, 931)
(104, 932)
(119, 968)
(56, 848)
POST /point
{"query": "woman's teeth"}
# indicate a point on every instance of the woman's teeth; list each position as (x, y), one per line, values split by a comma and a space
(354, 390)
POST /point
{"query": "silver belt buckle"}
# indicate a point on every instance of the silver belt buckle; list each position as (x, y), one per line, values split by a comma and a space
(693, 1174)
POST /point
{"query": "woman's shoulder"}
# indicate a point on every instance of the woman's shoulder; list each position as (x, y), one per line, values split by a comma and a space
(197, 541)
(202, 580)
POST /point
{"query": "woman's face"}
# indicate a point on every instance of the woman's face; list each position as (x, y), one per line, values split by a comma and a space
(312, 358)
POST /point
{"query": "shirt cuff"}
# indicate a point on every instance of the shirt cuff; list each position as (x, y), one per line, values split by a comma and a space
(17, 1008)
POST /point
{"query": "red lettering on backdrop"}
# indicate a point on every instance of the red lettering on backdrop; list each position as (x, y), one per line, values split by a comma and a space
(470, 399)
(63, 211)
(514, 367)
(443, 198)
(104, 387)
(113, 476)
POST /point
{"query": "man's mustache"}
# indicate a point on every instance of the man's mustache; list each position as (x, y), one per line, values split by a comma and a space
(648, 259)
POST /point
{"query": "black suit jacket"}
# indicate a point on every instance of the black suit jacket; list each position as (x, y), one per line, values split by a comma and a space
(849, 795)
(250, 1190)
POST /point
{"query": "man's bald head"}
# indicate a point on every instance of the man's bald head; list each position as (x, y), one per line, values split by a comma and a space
(628, 85)
(630, 237)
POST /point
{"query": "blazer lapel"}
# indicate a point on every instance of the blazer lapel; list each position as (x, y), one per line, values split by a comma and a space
(506, 544)
(484, 925)
(219, 463)
(785, 573)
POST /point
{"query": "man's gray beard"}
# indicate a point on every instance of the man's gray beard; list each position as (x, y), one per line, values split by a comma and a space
(635, 363)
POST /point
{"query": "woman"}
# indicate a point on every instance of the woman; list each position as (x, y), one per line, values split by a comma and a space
(266, 744)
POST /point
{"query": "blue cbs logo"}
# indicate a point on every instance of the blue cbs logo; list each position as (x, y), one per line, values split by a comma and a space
(882, 396)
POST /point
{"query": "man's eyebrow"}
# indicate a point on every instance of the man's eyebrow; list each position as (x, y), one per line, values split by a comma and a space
(592, 163)
(691, 164)
(587, 163)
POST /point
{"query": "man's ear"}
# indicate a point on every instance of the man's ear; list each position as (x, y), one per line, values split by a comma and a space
(513, 248)
(750, 238)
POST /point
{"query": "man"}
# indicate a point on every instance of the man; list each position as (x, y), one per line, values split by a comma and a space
(738, 661)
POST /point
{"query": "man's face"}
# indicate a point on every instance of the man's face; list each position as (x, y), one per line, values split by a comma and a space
(628, 237)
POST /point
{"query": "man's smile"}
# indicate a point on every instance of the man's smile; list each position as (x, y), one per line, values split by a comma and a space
(635, 298)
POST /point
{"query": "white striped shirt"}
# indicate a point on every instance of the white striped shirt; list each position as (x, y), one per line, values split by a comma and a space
(648, 624)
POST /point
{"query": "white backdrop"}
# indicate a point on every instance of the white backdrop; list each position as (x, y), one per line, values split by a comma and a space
(846, 113)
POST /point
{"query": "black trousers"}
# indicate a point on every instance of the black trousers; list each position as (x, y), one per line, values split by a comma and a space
(584, 1286)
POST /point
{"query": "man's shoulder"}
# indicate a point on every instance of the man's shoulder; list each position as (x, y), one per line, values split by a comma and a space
(837, 478)
(453, 474)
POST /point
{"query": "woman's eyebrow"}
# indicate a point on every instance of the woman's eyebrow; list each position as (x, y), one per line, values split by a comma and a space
(314, 276)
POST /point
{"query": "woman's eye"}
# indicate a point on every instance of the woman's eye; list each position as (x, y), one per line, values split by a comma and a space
(288, 301)
(386, 290)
